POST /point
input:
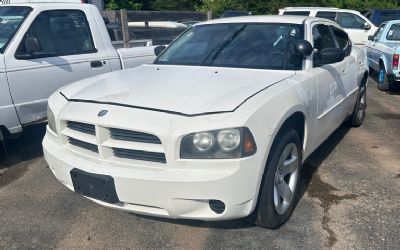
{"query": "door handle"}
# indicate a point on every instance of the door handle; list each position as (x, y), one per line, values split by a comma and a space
(96, 64)
(344, 71)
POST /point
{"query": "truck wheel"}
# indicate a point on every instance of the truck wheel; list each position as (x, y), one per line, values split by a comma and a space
(383, 80)
(280, 186)
(358, 116)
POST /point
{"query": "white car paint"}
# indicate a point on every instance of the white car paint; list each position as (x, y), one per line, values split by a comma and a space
(27, 83)
(358, 36)
(171, 101)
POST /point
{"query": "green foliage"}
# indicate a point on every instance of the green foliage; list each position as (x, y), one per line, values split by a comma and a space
(255, 6)
(122, 4)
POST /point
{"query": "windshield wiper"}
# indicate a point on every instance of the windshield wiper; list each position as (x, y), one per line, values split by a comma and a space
(215, 52)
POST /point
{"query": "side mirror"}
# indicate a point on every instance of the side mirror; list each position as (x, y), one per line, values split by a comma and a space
(32, 45)
(371, 38)
(159, 49)
(367, 26)
(304, 48)
(330, 55)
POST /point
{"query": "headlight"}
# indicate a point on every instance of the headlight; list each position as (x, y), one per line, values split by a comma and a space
(51, 120)
(218, 144)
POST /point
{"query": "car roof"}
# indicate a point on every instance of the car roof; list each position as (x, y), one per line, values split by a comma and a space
(262, 19)
(319, 8)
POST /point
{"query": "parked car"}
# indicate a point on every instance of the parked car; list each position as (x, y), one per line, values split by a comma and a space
(218, 127)
(379, 16)
(354, 23)
(45, 46)
(383, 50)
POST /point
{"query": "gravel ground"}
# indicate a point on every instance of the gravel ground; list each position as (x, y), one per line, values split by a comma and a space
(350, 200)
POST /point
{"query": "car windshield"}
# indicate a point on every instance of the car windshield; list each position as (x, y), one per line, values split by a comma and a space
(11, 17)
(394, 33)
(237, 45)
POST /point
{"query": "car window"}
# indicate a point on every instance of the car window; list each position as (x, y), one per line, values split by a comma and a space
(394, 33)
(327, 14)
(237, 45)
(342, 39)
(379, 32)
(59, 32)
(351, 21)
(297, 13)
(323, 39)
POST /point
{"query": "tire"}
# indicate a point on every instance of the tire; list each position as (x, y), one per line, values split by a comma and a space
(383, 80)
(358, 116)
(286, 153)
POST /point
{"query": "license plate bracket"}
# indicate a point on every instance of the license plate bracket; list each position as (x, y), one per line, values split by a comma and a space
(96, 186)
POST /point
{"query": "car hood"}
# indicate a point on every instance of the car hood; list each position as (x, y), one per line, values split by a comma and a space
(184, 90)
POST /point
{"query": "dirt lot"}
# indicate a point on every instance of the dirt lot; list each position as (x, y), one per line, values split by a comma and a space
(351, 200)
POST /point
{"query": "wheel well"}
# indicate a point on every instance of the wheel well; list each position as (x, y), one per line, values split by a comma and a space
(297, 122)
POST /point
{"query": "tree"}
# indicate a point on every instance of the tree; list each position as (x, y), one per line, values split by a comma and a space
(123, 4)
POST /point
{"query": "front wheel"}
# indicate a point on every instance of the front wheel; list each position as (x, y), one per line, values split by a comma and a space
(280, 185)
(383, 80)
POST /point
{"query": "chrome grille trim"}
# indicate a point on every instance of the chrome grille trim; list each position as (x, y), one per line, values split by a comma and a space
(128, 135)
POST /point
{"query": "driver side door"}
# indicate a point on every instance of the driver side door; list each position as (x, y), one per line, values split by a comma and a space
(332, 89)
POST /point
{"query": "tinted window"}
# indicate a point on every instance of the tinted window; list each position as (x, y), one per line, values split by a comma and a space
(297, 13)
(241, 45)
(394, 33)
(343, 40)
(323, 37)
(326, 14)
(59, 32)
(351, 21)
(11, 18)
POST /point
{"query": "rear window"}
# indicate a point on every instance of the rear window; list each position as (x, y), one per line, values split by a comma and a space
(297, 13)
(327, 14)
(394, 33)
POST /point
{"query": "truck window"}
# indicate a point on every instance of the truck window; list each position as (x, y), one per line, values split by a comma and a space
(11, 17)
(60, 33)
(379, 32)
(327, 15)
(351, 21)
(296, 13)
(394, 33)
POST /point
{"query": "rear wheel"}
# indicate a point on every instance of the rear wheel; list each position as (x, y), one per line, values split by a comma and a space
(358, 116)
(279, 189)
(383, 80)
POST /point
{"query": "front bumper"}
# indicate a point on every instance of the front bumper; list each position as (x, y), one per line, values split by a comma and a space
(175, 191)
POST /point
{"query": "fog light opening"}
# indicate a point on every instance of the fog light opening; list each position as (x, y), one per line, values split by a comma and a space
(217, 206)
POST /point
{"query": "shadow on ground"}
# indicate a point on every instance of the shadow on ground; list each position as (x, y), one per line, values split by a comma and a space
(24, 148)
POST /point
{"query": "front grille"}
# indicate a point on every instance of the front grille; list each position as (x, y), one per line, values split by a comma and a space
(139, 155)
(82, 127)
(84, 145)
(127, 135)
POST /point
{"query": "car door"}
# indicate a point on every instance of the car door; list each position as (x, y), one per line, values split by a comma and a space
(67, 52)
(357, 27)
(372, 48)
(332, 80)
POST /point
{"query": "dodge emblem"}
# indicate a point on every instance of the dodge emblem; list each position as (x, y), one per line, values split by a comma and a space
(102, 113)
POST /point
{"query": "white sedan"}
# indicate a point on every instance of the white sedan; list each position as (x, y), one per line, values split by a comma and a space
(218, 127)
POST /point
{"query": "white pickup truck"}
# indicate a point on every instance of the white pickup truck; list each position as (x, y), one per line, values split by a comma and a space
(44, 46)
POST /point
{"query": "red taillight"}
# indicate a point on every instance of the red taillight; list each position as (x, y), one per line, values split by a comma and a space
(395, 63)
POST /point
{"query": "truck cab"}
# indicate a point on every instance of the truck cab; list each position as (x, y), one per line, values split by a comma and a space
(45, 46)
